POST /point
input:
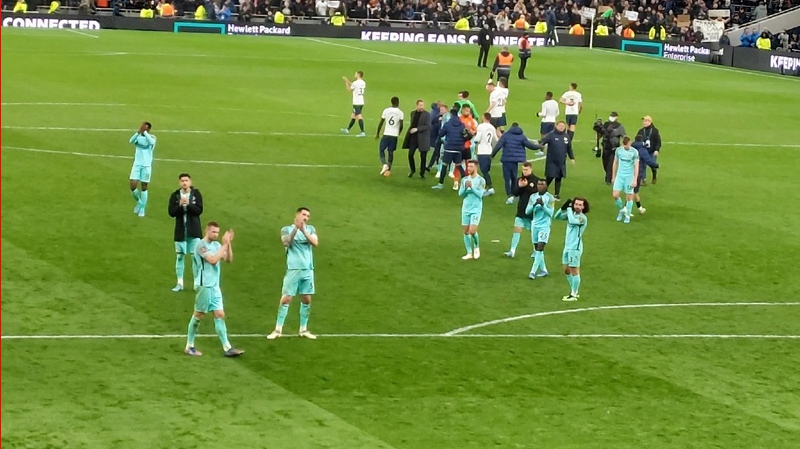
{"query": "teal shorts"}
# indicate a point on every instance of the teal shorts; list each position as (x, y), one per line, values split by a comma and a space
(208, 299)
(571, 258)
(470, 218)
(140, 173)
(298, 282)
(186, 247)
(540, 235)
(524, 223)
(624, 184)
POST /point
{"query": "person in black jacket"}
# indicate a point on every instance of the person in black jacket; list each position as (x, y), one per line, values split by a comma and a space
(485, 38)
(526, 186)
(611, 132)
(559, 148)
(652, 141)
(418, 137)
(186, 206)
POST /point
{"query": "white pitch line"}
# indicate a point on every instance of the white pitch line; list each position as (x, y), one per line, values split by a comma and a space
(175, 131)
(461, 330)
(166, 106)
(442, 336)
(370, 51)
(183, 161)
(82, 33)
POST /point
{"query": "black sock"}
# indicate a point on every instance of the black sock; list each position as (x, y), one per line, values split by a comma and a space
(558, 187)
(638, 204)
(571, 134)
(352, 122)
(361, 124)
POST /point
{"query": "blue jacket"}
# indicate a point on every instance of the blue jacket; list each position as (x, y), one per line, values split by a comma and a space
(513, 143)
(453, 133)
(645, 159)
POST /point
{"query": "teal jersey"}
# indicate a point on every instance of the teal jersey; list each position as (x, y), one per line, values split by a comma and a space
(209, 274)
(145, 144)
(299, 254)
(473, 195)
(542, 214)
(627, 159)
(576, 226)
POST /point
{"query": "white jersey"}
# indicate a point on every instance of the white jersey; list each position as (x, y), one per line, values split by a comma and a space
(549, 111)
(392, 116)
(573, 99)
(358, 87)
(499, 96)
(486, 138)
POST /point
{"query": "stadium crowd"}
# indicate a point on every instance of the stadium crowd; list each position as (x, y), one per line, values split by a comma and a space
(657, 19)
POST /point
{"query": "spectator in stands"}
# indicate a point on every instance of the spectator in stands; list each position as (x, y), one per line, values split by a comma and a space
(783, 41)
(724, 39)
(462, 24)
(577, 30)
(794, 42)
(200, 12)
(601, 29)
(764, 42)
(760, 11)
(627, 31)
(502, 21)
(167, 10)
(658, 29)
(541, 26)
(748, 38)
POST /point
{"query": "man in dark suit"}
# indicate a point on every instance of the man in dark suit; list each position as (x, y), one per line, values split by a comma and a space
(485, 38)
(418, 137)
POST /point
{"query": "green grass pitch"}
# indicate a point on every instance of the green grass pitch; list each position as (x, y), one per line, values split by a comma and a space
(721, 228)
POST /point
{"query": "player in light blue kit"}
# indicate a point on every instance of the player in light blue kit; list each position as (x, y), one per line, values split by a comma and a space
(299, 239)
(144, 143)
(574, 212)
(625, 176)
(540, 205)
(208, 255)
(471, 189)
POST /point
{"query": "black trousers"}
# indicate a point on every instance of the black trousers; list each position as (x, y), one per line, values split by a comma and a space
(483, 55)
(437, 151)
(423, 156)
(608, 161)
(504, 74)
(523, 63)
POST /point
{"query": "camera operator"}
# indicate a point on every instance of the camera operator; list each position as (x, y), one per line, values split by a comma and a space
(611, 132)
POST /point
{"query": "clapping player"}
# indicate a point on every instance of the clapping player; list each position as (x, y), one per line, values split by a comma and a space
(209, 254)
(471, 190)
(540, 206)
(574, 212)
(141, 171)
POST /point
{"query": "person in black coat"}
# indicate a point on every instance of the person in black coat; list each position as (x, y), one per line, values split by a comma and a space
(485, 38)
(612, 132)
(651, 139)
(559, 147)
(418, 137)
(186, 206)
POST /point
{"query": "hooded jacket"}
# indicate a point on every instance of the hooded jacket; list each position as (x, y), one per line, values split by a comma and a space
(513, 143)
(453, 133)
